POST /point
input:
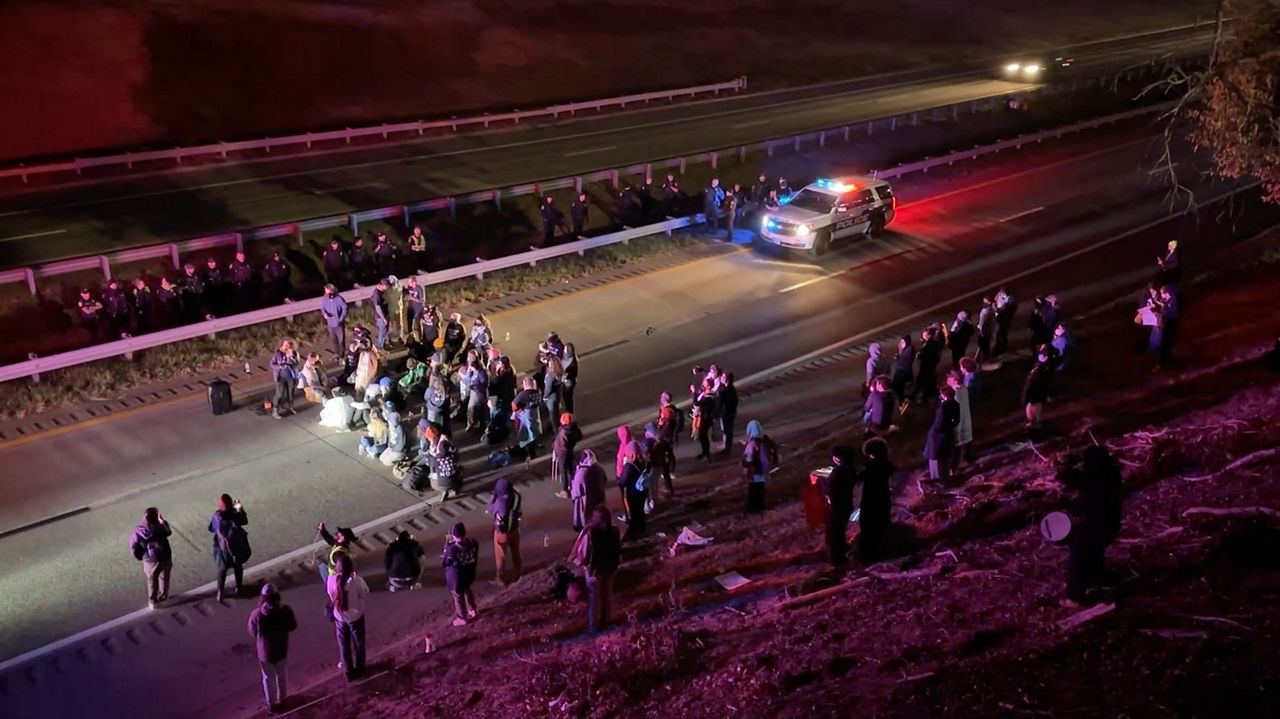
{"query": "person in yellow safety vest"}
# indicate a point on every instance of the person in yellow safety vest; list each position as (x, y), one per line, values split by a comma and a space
(339, 543)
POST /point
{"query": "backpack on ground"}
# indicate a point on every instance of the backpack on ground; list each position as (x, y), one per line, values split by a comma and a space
(417, 478)
(220, 397)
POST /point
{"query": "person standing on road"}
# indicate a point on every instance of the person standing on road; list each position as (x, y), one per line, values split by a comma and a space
(903, 366)
(89, 310)
(476, 381)
(1097, 515)
(712, 199)
(931, 344)
(873, 514)
(270, 625)
(1064, 345)
(339, 544)
(349, 595)
(551, 219)
(958, 337)
(403, 562)
(760, 192)
(334, 310)
(384, 253)
(461, 556)
(1165, 332)
(168, 304)
(563, 448)
(143, 306)
(1006, 310)
(361, 263)
(588, 488)
(194, 302)
(619, 468)
(670, 196)
(599, 552)
(284, 369)
(940, 440)
(634, 480)
(784, 191)
(230, 542)
(728, 396)
(878, 409)
(150, 545)
(552, 383)
(1170, 264)
(877, 365)
(986, 328)
(277, 275)
(418, 249)
(1036, 390)
(837, 487)
(414, 304)
(505, 506)
(964, 430)
(116, 303)
(381, 313)
(578, 212)
(730, 213)
(704, 407)
(569, 377)
(215, 287)
(335, 263)
(759, 459)
(240, 276)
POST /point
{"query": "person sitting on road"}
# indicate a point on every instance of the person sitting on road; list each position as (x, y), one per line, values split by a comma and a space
(374, 441)
(313, 380)
(403, 562)
(414, 380)
(396, 442)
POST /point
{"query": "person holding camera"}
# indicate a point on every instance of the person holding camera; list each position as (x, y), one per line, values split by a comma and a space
(284, 369)
(230, 542)
(150, 545)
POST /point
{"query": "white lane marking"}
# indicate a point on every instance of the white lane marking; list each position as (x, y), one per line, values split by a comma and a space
(33, 234)
(1024, 213)
(606, 148)
(753, 123)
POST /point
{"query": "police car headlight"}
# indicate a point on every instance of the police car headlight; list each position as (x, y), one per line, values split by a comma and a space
(803, 230)
(1012, 67)
(1031, 70)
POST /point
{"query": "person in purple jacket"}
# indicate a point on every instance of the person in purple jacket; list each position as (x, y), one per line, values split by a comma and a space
(269, 625)
(334, 310)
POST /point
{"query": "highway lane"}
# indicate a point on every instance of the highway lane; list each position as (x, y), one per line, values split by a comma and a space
(639, 336)
(50, 224)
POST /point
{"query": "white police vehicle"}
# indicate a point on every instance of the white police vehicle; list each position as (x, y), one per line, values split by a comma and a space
(828, 210)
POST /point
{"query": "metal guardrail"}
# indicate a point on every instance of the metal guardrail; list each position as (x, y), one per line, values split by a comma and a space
(78, 165)
(33, 368)
(353, 220)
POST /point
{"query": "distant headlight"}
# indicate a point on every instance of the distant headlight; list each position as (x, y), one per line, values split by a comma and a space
(1012, 67)
(1031, 70)
(803, 230)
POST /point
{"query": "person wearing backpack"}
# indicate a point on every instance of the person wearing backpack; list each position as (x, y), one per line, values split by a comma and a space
(460, 558)
(759, 459)
(270, 625)
(150, 545)
(230, 542)
(505, 508)
(635, 480)
(598, 552)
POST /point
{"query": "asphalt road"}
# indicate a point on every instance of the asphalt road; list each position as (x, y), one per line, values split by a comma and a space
(41, 225)
(748, 310)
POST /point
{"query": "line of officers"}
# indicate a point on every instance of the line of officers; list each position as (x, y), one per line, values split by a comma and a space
(633, 205)
(213, 290)
(362, 265)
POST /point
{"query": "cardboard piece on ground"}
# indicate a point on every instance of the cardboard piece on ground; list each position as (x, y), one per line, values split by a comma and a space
(690, 538)
(732, 581)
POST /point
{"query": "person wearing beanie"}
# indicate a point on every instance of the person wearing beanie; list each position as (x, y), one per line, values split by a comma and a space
(588, 488)
(270, 625)
(461, 555)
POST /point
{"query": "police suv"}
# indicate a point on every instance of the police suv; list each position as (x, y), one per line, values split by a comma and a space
(829, 210)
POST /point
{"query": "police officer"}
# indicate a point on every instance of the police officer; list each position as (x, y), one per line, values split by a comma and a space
(89, 309)
(629, 207)
(240, 275)
(578, 213)
(381, 313)
(116, 303)
(335, 264)
(670, 195)
(385, 253)
(418, 249)
(277, 275)
(215, 288)
(760, 192)
(142, 306)
(361, 263)
(551, 219)
(168, 304)
(784, 190)
(731, 210)
(712, 198)
(193, 300)
(415, 298)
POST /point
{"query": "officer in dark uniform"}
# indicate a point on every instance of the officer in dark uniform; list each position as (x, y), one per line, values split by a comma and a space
(193, 300)
(551, 219)
(168, 304)
(415, 299)
(578, 212)
(335, 264)
(240, 273)
(670, 196)
(215, 288)
(116, 303)
(385, 253)
(740, 204)
(277, 276)
(361, 263)
(90, 310)
(143, 306)
(712, 198)
(629, 207)
(418, 249)
(760, 192)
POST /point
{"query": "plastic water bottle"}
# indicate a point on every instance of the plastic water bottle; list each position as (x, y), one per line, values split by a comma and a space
(546, 539)
(247, 368)
(427, 647)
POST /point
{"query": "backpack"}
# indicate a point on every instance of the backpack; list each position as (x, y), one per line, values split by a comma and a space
(499, 458)
(642, 482)
(580, 554)
(233, 541)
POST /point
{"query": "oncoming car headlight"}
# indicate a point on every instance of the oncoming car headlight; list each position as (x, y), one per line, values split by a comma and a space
(1031, 70)
(1012, 67)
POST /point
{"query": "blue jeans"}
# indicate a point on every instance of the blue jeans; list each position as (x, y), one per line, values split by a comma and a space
(367, 444)
(384, 329)
(351, 645)
(274, 682)
(599, 601)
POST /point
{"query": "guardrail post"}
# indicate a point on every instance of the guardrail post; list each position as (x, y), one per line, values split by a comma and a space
(822, 139)
(955, 111)
(497, 198)
(30, 277)
(714, 157)
(537, 190)
(768, 149)
(742, 154)
(893, 122)
(32, 356)
(355, 224)
(479, 275)
(683, 165)
(871, 127)
(404, 215)
(105, 265)
(648, 173)
(577, 184)
(173, 255)
(239, 241)
(915, 119)
(615, 178)
(297, 232)
(453, 208)
(846, 133)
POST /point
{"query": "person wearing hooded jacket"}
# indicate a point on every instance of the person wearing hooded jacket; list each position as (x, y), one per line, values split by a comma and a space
(270, 625)
(227, 522)
(837, 487)
(877, 364)
(461, 556)
(619, 467)
(634, 482)
(959, 336)
(588, 488)
(601, 552)
(759, 459)
(150, 545)
(903, 364)
(1096, 518)
(562, 451)
(878, 409)
(931, 345)
(505, 506)
(403, 562)
(940, 441)
(873, 515)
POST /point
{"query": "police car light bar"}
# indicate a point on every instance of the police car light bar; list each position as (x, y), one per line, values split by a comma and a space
(835, 185)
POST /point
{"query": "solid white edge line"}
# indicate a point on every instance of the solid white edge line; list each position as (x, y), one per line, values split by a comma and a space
(606, 148)
(33, 234)
(1024, 213)
(617, 420)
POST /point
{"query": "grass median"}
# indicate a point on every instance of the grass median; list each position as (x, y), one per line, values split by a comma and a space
(198, 357)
